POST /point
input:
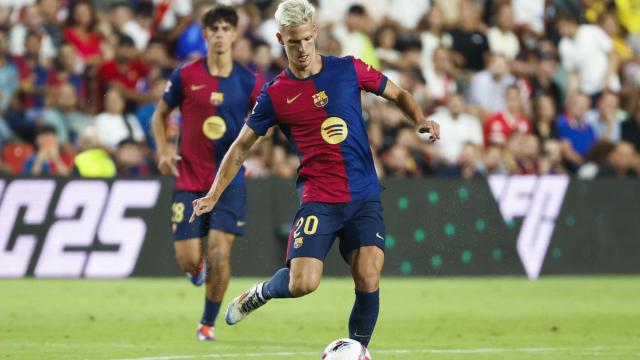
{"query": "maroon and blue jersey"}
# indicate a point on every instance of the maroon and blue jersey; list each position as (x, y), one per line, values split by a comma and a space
(213, 111)
(322, 116)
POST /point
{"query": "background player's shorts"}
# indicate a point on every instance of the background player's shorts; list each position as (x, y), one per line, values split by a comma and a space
(229, 214)
(316, 225)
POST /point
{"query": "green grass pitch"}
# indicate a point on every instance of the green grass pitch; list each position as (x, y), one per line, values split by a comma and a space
(444, 318)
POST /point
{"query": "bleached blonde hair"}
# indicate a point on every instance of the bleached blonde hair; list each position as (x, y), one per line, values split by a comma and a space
(293, 13)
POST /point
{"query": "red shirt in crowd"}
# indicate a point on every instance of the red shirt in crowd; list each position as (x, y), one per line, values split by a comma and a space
(499, 127)
(86, 47)
(129, 78)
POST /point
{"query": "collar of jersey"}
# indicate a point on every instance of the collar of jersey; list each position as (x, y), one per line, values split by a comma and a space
(293, 77)
(206, 67)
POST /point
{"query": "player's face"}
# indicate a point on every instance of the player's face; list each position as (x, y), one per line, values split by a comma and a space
(299, 44)
(220, 37)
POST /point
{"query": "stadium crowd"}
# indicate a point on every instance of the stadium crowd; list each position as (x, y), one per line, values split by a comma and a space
(518, 87)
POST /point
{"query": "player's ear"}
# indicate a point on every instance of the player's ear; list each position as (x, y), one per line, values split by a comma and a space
(280, 40)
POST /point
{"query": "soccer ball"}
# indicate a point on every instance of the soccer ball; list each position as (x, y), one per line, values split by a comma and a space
(346, 349)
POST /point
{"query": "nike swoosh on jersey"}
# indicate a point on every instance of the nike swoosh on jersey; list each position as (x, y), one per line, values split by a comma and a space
(379, 236)
(289, 101)
(197, 87)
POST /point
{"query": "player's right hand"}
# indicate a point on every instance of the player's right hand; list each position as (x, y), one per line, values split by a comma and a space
(167, 163)
(201, 206)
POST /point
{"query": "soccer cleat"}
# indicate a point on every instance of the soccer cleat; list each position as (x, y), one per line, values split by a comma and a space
(199, 275)
(244, 304)
(205, 333)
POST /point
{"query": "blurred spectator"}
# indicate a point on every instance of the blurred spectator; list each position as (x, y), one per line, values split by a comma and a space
(47, 160)
(191, 44)
(606, 120)
(524, 154)
(92, 161)
(469, 42)
(398, 162)
(493, 161)
(543, 82)
(488, 87)
(501, 126)
(572, 127)
(80, 32)
(552, 162)
(49, 11)
(114, 125)
(407, 13)
(545, 127)
(146, 110)
(263, 61)
(32, 23)
(68, 69)
(34, 76)
(130, 160)
(621, 162)
(125, 71)
(432, 35)
(460, 127)
(353, 37)
(243, 52)
(136, 25)
(440, 79)
(629, 15)
(466, 165)
(529, 16)
(586, 51)
(631, 127)
(609, 23)
(501, 38)
(64, 114)
(9, 77)
(385, 42)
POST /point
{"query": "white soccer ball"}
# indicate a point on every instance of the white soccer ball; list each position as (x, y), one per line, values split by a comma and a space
(346, 349)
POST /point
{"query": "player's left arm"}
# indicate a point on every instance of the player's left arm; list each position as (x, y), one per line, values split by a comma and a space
(403, 99)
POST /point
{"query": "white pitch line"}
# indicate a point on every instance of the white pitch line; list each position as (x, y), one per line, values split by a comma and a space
(381, 351)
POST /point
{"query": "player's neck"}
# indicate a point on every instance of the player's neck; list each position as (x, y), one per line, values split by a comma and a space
(313, 68)
(220, 64)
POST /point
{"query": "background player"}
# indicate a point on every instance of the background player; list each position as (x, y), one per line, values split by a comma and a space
(214, 95)
(316, 102)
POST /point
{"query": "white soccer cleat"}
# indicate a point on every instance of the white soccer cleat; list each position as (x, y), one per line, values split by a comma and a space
(244, 304)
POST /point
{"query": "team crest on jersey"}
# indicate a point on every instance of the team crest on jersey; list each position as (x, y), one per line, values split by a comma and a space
(298, 242)
(334, 130)
(320, 99)
(216, 98)
(214, 127)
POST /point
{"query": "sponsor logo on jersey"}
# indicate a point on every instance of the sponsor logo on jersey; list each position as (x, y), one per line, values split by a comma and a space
(334, 130)
(320, 99)
(214, 127)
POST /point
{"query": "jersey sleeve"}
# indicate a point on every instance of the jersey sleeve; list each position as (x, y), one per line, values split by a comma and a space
(173, 94)
(256, 89)
(263, 115)
(369, 78)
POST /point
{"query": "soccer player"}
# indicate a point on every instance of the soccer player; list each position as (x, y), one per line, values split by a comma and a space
(215, 95)
(316, 102)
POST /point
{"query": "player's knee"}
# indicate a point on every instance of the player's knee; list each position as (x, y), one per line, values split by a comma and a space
(218, 256)
(367, 280)
(187, 262)
(303, 285)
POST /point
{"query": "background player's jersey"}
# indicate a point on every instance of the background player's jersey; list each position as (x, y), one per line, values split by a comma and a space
(213, 111)
(322, 116)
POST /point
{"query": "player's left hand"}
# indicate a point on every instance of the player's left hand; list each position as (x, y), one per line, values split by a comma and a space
(431, 127)
(201, 206)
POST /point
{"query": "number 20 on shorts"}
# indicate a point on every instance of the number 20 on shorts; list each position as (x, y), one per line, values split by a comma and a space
(310, 225)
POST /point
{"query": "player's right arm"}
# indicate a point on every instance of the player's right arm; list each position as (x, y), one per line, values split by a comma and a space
(231, 164)
(166, 153)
